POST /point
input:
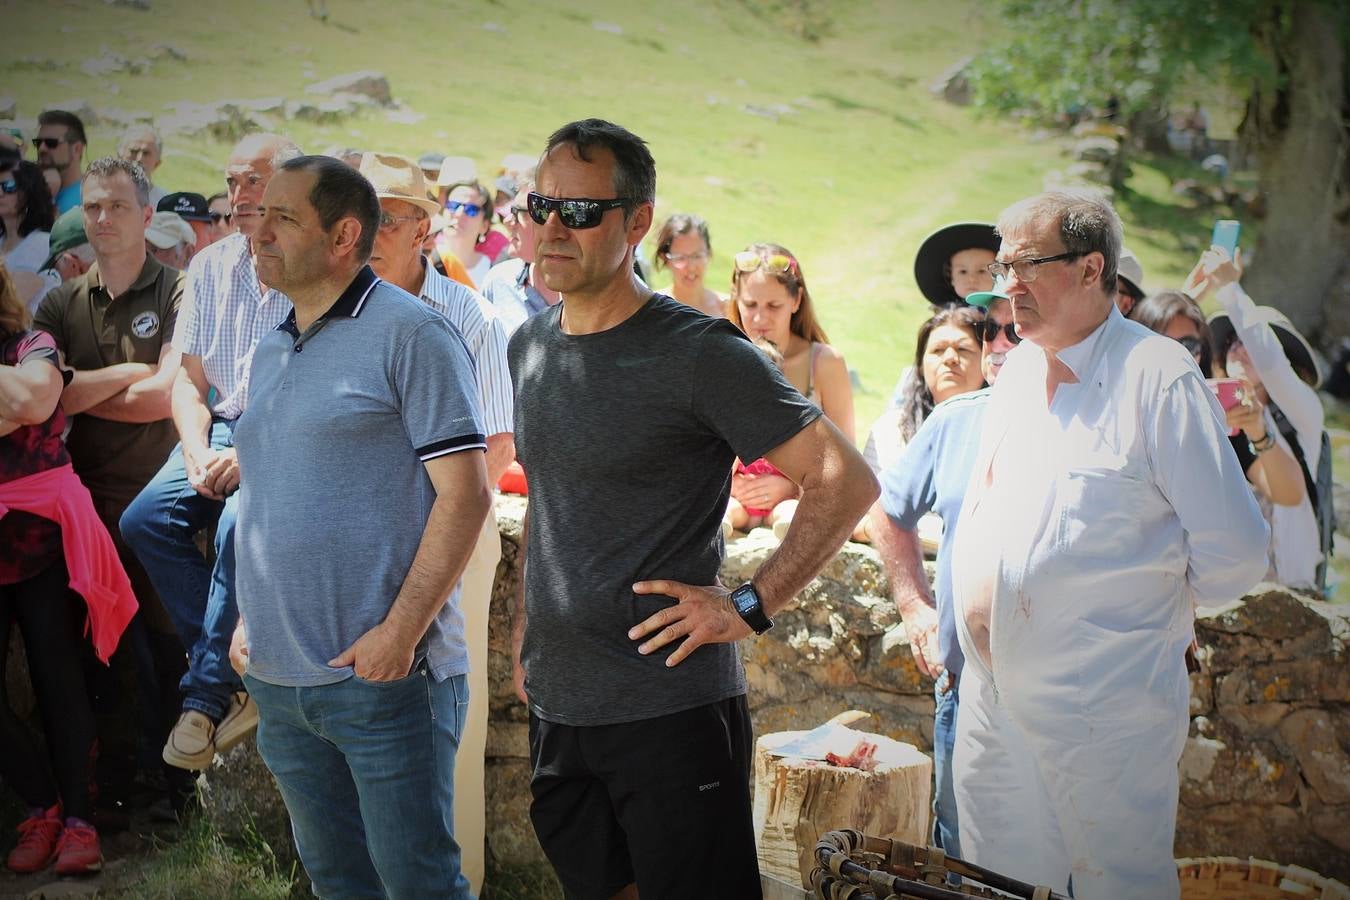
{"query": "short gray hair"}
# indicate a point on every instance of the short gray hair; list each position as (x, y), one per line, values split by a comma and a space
(138, 129)
(108, 166)
(1087, 224)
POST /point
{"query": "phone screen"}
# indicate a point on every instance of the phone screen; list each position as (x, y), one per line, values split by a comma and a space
(1226, 235)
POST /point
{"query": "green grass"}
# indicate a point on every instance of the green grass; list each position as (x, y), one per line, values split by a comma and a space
(866, 164)
(199, 863)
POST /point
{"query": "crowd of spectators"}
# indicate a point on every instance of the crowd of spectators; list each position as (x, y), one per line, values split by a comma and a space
(128, 318)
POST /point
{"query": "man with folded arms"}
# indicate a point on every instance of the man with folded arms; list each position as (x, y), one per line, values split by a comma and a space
(364, 492)
(1104, 504)
(405, 217)
(630, 409)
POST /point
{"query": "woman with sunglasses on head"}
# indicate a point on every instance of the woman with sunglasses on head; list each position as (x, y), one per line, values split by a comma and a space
(683, 245)
(1271, 469)
(770, 301)
(1261, 346)
(26, 217)
(468, 216)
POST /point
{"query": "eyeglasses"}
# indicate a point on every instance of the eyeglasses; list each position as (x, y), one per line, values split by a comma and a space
(989, 331)
(774, 263)
(1192, 344)
(51, 143)
(679, 260)
(516, 215)
(9, 187)
(469, 209)
(388, 221)
(575, 212)
(218, 217)
(1026, 270)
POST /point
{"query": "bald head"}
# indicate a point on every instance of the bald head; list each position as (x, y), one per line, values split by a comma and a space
(252, 162)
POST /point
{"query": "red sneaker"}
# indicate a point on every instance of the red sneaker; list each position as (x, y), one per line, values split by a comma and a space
(78, 852)
(38, 837)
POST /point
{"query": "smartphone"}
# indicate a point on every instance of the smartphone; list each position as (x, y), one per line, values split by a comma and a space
(1230, 394)
(1226, 235)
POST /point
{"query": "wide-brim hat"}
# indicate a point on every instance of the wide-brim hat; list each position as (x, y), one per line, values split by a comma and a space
(936, 251)
(1296, 347)
(398, 178)
(457, 170)
(1131, 270)
(982, 299)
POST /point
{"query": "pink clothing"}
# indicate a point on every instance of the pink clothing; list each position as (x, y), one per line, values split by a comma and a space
(96, 573)
(760, 466)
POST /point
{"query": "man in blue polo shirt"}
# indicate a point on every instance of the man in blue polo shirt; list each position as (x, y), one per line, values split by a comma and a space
(932, 476)
(363, 489)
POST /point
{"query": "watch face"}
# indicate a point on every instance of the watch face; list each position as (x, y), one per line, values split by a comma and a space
(745, 600)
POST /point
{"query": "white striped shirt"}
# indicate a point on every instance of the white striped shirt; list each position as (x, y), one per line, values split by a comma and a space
(483, 333)
(224, 315)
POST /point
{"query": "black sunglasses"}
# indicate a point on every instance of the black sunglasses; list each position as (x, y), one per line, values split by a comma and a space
(575, 212)
(990, 329)
(51, 143)
(218, 217)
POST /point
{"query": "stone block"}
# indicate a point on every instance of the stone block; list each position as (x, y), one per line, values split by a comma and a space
(1311, 736)
(371, 84)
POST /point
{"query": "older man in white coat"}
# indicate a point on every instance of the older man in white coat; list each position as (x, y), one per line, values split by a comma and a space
(1104, 504)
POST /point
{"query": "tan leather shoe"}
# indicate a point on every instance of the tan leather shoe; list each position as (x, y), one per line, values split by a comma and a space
(191, 744)
(240, 721)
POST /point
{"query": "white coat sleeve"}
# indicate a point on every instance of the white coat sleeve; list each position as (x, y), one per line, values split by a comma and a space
(1196, 470)
(1291, 394)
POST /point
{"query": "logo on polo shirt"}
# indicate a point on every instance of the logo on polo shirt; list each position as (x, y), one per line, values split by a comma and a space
(145, 325)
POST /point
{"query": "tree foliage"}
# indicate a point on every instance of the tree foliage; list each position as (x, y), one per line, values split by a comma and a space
(1057, 55)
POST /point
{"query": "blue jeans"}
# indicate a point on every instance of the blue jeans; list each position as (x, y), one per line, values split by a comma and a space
(159, 526)
(945, 834)
(367, 770)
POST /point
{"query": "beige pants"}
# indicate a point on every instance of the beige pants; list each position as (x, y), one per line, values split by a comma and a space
(470, 802)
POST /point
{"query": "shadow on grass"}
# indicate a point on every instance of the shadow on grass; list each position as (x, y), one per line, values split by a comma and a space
(845, 104)
(1185, 222)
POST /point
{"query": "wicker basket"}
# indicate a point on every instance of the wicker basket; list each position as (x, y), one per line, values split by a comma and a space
(1229, 878)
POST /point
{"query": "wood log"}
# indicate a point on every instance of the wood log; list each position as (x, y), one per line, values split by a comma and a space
(797, 800)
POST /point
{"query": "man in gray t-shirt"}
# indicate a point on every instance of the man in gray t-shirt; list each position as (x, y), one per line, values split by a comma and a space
(630, 411)
(364, 489)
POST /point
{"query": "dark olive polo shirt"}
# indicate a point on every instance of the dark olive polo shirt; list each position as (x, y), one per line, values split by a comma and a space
(93, 331)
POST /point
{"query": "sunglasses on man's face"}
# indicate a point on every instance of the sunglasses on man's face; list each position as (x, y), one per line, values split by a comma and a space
(51, 143)
(575, 212)
(990, 329)
(469, 209)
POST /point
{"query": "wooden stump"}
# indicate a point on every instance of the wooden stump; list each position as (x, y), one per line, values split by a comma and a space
(797, 800)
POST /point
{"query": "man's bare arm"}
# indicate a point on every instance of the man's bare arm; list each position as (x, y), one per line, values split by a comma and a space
(191, 415)
(837, 489)
(501, 452)
(462, 502)
(90, 387)
(903, 559)
(147, 400)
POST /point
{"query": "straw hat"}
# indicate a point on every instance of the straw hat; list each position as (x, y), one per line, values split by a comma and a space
(1129, 268)
(398, 178)
(1295, 346)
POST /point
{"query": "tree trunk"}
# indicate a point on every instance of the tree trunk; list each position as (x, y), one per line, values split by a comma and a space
(1300, 132)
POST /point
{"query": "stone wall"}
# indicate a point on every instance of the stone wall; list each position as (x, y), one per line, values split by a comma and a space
(1265, 772)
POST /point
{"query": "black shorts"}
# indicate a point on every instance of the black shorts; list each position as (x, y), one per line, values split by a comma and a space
(662, 802)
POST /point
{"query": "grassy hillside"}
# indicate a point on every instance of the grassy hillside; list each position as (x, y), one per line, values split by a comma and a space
(834, 148)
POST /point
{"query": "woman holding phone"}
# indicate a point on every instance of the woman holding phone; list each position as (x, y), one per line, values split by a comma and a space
(1271, 469)
(1260, 345)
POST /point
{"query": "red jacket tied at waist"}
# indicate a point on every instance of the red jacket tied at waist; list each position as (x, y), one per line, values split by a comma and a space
(96, 573)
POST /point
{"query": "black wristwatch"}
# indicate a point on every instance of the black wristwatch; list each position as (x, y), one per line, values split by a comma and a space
(746, 600)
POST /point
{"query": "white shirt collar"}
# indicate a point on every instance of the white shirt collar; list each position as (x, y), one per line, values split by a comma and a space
(1081, 356)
